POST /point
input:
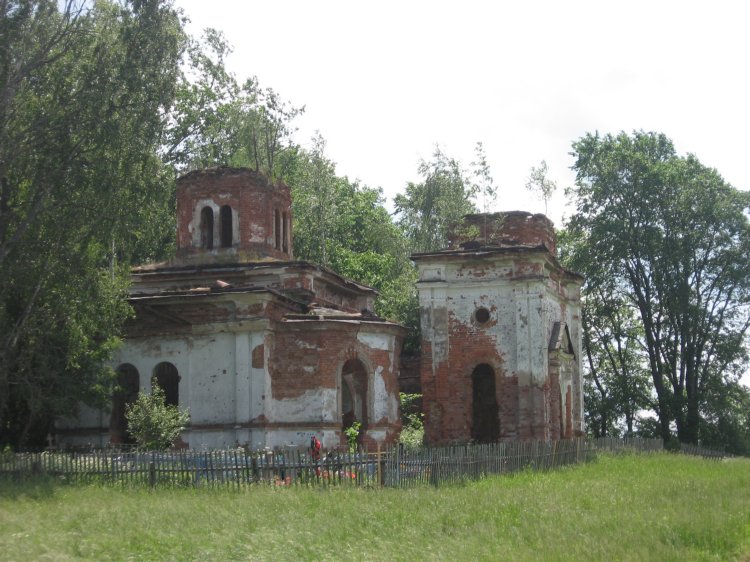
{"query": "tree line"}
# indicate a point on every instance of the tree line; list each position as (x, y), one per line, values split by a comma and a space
(105, 104)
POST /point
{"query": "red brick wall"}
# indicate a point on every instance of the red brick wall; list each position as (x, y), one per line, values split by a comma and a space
(309, 355)
(509, 229)
(250, 194)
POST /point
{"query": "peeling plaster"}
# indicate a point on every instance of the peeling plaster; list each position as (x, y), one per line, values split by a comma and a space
(375, 340)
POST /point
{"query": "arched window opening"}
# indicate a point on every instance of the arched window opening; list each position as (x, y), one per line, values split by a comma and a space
(207, 228)
(166, 376)
(485, 426)
(225, 221)
(354, 395)
(285, 236)
(126, 392)
(277, 228)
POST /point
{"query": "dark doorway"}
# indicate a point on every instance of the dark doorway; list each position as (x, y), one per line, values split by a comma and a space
(126, 392)
(167, 377)
(354, 394)
(225, 221)
(485, 426)
(207, 228)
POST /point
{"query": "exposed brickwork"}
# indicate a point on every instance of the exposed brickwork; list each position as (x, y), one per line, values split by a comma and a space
(494, 302)
(258, 361)
(513, 228)
(307, 356)
(262, 211)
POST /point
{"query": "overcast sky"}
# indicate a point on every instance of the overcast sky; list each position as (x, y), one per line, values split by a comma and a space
(384, 81)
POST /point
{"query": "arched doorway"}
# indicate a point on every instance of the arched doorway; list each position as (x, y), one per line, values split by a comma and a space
(485, 427)
(126, 392)
(166, 376)
(353, 386)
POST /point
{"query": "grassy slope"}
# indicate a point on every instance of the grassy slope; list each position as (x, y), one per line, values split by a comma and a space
(659, 507)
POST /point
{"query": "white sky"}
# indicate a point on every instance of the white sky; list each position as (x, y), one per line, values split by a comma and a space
(384, 81)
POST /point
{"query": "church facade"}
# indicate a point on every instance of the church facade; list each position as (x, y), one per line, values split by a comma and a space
(267, 351)
(263, 350)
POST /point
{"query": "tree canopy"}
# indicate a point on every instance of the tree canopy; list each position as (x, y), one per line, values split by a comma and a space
(85, 90)
(428, 210)
(663, 241)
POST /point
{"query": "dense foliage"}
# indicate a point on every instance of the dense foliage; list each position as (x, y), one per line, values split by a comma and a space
(663, 242)
(84, 90)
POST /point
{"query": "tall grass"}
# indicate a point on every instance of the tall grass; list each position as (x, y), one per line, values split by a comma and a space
(628, 507)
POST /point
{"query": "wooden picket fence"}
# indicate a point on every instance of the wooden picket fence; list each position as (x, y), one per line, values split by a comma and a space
(392, 467)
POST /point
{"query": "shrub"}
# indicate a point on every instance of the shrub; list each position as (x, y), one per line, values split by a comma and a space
(152, 422)
(352, 435)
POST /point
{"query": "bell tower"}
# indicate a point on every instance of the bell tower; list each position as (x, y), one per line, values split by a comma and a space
(232, 214)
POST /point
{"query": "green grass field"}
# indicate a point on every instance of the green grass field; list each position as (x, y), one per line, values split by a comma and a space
(630, 507)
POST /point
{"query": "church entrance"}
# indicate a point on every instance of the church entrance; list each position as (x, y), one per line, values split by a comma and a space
(354, 394)
(485, 426)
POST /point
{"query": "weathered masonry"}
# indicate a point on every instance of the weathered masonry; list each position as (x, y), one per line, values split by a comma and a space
(262, 349)
(501, 334)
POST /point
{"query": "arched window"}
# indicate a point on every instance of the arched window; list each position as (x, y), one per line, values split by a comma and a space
(354, 394)
(125, 393)
(277, 228)
(485, 427)
(225, 222)
(166, 376)
(207, 228)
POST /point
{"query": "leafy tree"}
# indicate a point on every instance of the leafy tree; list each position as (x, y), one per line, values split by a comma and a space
(154, 424)
(85, 91)
(265, 130)
(428, 210)
(315, 203)
(618, 386)
(217, 122)
(539, 183)
(203, 124)
(674, 238)
(616, 382)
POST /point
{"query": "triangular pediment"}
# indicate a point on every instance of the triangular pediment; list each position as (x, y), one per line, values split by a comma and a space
(560, 339)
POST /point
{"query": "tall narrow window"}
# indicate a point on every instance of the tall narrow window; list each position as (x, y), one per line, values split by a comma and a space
(207, 228)
(166, 376)
(277, 228)
(285, 238)
(225, 218)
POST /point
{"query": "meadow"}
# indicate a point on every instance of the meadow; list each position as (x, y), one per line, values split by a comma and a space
(619, 507)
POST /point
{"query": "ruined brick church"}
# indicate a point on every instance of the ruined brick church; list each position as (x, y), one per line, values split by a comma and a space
(266, 351)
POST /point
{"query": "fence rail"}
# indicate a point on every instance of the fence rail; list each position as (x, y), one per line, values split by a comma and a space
(393, 467)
